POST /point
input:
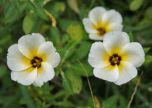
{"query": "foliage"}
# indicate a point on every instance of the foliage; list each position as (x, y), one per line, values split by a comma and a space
(61, 22)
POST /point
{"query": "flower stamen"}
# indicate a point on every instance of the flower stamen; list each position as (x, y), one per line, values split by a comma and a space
(101, 31)
(36, 62)
(115, 59)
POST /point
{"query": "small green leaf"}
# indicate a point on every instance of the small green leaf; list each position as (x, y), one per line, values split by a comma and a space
(72, 82)
(3, 70)
(56, 8)
(148, 13)
(110, 102)
(66, 83)
(73, 4)
(38, 10)
(68, 50)
(136, 4)
(146, 50)
(82, 69)
(75, 81)
(55, 35)
(26, 95)
(148, 59)
(6, 40)
(74, 29)
(83, 50)
(11, 16)
(28, 23)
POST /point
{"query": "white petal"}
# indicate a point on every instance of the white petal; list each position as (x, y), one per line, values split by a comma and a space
(135, 53)
(26, 77)
(46, 48)
(112, 16)
(115, 40)
(45, 73)
(95, 15)
(47, 51)
(97, 55)
(88, 25)
(16, 61)
(127, 73)
(106, 73)
(29, 44)
(94, 36)
(54, 59)
(115, 27)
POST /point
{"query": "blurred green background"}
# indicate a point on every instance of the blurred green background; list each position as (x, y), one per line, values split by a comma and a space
(60, 21)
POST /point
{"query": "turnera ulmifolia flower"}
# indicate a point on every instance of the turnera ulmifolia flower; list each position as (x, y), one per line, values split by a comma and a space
(32, 60)
(101, 21)
(116, 59)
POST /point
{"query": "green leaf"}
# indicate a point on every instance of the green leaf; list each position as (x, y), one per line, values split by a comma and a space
(148, 59)
(136, 4)
(28, 99)
(75, 81)
(64, 104)
(8, 101)
(74, 29)
(28, 23)
(56, 8)
(66, 83)
(3, 70)
(131, 36)
(146, 50)
(11, 16)
(38, 10)
(55, 35)
(148, 13)
(73, 4)
(13, 10)
(68, 50)
(72, 82)
(83, 50)
(6, 40)
(82, 69)
(110, 102)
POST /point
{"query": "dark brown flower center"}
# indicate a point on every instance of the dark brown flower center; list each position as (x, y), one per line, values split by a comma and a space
(36, 62)
(101, 31)
(115, 59)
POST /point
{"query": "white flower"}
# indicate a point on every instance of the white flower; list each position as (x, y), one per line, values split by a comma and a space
(101, 22)
(32, 60)
(115, 59)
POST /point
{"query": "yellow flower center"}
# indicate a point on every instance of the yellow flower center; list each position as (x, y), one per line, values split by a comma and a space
(115, 59)
(36, 62)
(101, 28)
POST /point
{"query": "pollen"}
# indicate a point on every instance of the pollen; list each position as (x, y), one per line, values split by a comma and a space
(115, 59)
(36, 62)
